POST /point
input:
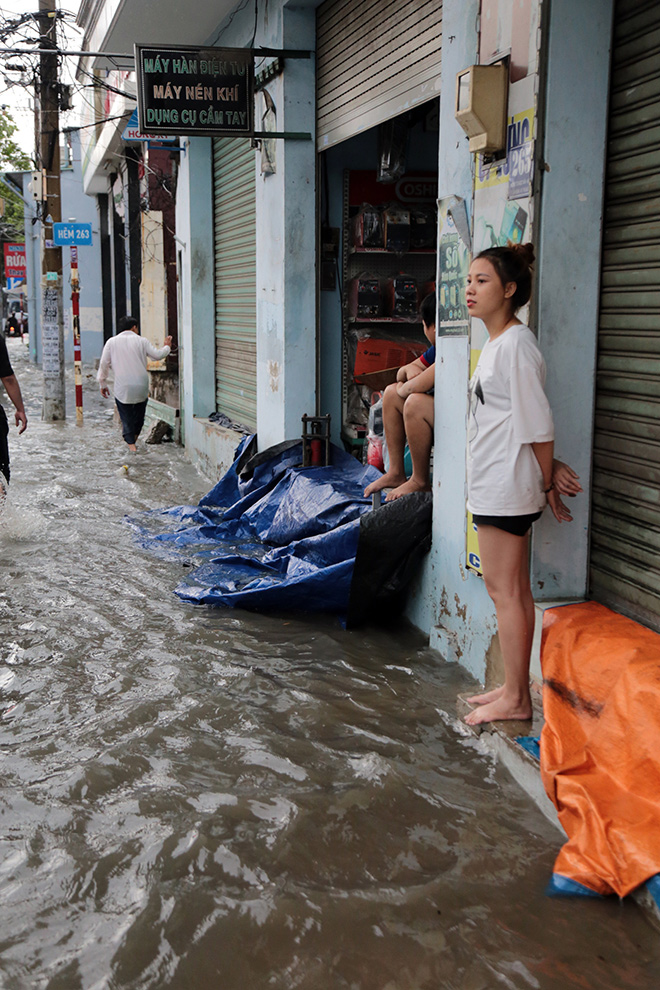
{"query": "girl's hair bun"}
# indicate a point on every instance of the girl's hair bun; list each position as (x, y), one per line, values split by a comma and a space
(524, 251)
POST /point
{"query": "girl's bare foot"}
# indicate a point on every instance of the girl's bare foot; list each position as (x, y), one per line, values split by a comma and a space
(407, 488)
(500, 710)
(389, 480)
(485, 699)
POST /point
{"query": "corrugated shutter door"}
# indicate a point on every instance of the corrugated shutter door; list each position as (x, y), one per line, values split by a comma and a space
(235, 280)
(375, 59)
(625, 537)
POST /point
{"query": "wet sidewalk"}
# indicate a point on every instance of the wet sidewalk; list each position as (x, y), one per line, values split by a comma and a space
(194, 797)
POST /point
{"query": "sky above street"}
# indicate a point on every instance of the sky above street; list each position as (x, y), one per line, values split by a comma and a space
(17, 98)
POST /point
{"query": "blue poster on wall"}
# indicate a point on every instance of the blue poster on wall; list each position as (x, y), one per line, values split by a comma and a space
(519, 162)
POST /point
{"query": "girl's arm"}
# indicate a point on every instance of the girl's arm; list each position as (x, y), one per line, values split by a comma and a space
(543, 452)
(564, 478)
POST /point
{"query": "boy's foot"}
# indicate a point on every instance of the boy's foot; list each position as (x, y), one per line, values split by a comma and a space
(485, 699)
(407, 488)
(500, 710)
(388, 480)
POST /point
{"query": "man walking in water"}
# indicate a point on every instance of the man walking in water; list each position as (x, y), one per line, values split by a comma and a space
(127, 355)
(13, 390)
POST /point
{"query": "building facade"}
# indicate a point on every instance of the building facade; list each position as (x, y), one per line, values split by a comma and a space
(129, 184)
(276, 244)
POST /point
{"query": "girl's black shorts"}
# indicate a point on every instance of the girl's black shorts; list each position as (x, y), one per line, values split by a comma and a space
(516, 525)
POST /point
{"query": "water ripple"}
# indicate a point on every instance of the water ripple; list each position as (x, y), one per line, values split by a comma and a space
(193, 799)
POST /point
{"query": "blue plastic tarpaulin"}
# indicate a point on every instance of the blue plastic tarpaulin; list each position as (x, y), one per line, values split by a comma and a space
(273, 535)
(278, 536)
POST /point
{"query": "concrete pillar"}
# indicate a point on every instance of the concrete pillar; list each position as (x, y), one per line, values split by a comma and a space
(450, 601)
(286, 246)
(194, 224)
(568, 263)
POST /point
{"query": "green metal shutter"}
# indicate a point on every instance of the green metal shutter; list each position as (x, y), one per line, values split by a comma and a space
(375, 59)
(235, 280)
(625, 526)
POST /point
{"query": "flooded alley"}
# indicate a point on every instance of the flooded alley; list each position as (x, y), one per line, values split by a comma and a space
(205, 799)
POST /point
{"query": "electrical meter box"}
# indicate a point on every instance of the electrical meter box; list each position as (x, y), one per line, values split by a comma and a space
(481, 105)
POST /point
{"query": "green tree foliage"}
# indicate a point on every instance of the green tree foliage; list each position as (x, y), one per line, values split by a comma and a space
(12, 159)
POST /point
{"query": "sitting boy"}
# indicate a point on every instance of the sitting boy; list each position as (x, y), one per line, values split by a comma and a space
(408, 412)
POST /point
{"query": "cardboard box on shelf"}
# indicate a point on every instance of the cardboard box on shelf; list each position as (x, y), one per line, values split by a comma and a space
(378, 380)
(374, 354)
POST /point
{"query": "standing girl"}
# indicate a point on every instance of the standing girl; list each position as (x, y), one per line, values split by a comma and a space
(510, 464)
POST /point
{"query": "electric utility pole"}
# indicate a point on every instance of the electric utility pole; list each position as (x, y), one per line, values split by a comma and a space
(52, 323)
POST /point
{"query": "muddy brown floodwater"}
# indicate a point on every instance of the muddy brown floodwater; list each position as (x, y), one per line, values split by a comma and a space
(205, 799)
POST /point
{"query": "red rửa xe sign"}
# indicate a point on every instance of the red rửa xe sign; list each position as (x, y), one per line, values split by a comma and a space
(14, 260)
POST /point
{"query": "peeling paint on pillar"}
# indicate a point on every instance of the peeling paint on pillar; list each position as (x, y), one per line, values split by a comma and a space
(443, 605)
(461, 610)
(274, 373)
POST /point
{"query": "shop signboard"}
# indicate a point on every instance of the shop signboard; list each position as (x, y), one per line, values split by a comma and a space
(14, 261)
(410, 189)
(187, 90)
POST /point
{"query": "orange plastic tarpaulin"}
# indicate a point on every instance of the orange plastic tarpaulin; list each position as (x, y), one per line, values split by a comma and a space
(600, 745)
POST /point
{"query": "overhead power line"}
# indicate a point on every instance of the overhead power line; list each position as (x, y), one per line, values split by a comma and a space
(60, 51)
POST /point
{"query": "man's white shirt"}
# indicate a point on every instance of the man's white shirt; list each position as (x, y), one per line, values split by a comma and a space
(127, 355)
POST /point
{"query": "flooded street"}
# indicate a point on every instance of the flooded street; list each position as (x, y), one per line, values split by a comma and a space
(204, 799)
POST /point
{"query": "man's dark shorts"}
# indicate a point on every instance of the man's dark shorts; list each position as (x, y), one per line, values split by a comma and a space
(132, 418)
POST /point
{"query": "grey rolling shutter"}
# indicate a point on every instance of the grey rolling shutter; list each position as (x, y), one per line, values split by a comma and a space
(375, 59)
(235, 280)
(625, 535)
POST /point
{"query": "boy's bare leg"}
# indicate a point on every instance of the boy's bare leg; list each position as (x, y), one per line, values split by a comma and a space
(395, 437)
(418, 425)
(506, 573)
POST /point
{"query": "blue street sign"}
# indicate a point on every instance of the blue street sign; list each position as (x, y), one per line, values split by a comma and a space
(72, 233)
(12, 283)
(132, 133)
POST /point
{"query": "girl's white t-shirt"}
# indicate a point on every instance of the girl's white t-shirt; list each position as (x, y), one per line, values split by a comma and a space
(508, 412)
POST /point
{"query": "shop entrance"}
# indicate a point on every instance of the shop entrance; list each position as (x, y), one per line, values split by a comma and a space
(378, 249)
(378, 87)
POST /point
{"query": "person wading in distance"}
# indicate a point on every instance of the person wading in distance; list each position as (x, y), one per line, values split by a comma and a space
(127, 355)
